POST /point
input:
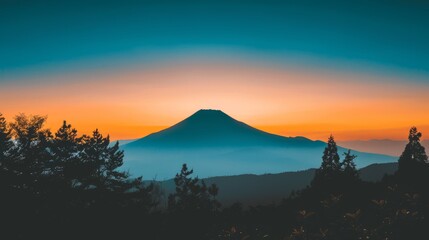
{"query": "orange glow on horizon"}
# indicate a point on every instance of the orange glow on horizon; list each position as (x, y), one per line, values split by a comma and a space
(132, 103)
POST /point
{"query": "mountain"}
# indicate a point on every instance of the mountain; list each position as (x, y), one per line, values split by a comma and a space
(251, 189)
(215, 144)
(214, 128)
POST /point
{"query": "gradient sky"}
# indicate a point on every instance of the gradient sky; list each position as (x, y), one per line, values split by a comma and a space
(357, 69)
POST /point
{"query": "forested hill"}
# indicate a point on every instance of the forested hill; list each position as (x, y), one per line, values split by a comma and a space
(251, 189)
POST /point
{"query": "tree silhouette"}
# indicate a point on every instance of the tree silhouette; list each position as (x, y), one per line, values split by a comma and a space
(414, 151)
(6, 147)
(193, 201)
(330, 168)
(66, 165)
(101, 163)
(413, 163)
(191, 195)
(348, 165)
(70, 186)
(330, 159)
(5, 139)
(32, 154)
(64, 181)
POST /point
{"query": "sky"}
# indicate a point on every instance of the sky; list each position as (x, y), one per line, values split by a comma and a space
(356, 69)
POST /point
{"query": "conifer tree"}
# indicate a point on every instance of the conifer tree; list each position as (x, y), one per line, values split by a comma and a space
(191, 195)
(102, 162)
(348, 165)
(66, 165)
(193, 201)
(414, 151)
(6, 147)
(6, 143)
(331, 159)
(32, 156)
(186, 187)
(328, 175)
(413, 162)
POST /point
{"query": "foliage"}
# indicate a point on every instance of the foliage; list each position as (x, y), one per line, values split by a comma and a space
(348, 165)
(53, 177)
(192, 194)
(395, 208)
(65, 185)
(330, 160)
(333, 175)
(413, 162)
(193, 201)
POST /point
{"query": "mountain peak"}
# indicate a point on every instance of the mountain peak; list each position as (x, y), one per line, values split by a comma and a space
(208, 118)
(209, 114)
(208, 110)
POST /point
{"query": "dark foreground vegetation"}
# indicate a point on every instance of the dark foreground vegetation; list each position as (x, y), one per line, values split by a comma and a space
(67, 186)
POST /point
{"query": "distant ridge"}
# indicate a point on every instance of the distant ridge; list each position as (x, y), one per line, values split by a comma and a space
(381, 146)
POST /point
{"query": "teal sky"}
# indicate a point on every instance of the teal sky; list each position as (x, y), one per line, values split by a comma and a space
(42, 37)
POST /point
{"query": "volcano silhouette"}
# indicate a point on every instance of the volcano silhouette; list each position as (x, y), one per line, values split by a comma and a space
(215, 144)
(214, 128)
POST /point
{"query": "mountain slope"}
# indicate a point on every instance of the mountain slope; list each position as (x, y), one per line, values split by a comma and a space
(217, 145)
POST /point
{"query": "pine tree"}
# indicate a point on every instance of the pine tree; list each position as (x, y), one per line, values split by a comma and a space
(6, 148)
(414, 151)
(184, 198)
(348, 165)
(191, 195)
(32, 156)
(413, 162)
(331, 159)
(66, 166)
(101, 162)
(327, 176)
(6, 143)
(115, 179)
(193, 201)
